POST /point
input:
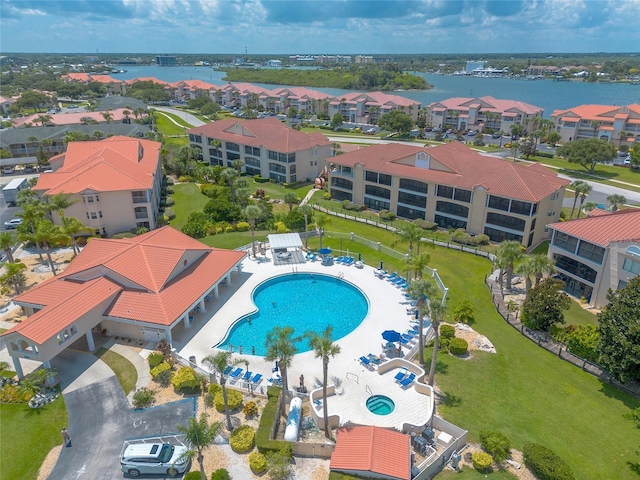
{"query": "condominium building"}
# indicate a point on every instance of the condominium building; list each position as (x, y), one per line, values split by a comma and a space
(597, 253)
(606, 122)
(114, 184)
(482, 113)
(267, 147)
(452, 186)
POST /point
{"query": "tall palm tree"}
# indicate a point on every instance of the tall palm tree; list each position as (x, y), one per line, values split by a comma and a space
(437, 309)
(422, 290)
(590, 206)
(7, 242)
(410, 233)
(526, 268)
(541, 265)
(59, 203)
(325, 349)
(73, 227)
(218, 363)
(229, 175)
(32, 214)
(416, 264)
(306, 211)
(281, 347)
(322, 220)
(290, 198)
(575, 186)
(616, 200)
(14, 276)
(199, 434)
(252, 213)
(584, 191)
(49, 235)
(509, 253)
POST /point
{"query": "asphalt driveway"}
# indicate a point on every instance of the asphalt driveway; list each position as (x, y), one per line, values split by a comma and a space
(100, 419)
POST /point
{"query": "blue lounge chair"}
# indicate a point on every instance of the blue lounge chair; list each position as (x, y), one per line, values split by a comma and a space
(402, 284)
(340, 259)
(247, 376)
(257, 378)
(348, 261)
(308, 256)
(408, 381)
(227, 370)
(365, 361)
(314, 257)
(399, 280)
(406, 341)
(401, 375)
(392, 276)
(236, 373)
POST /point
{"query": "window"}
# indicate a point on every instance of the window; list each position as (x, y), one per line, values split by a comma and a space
(252, 150)
(274, 167)
(339, 195)
(292, 170)
(521, 208)
(141, 212)
(575, 267)
(376, 177)
(195, 138)
(631, 266)
(376, 204)
(253, 171)
(411, 199)
(89, 199)
(277, 177)
(139, 196)
(377, 191)
(215, 153)
(252, 162)
(444, 191)
(564, 241)
(413, 185)
(232, 146)
(88, 217)
(94, 216)
(282, 157)
(452, 209)
(506, 221)
(232, 156)
(341, 183)
(462, 195)
(591, 252)
(500, 235)
(448, 222)
(410, 213)
(100, 213)
(499, 203)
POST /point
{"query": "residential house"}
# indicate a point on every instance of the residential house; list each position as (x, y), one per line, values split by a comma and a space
(481, 113)
(597, 253)
(119, 115)
(113, 86)
(5, 104)
(453, 186)
(139, 288)
(115, 183)
(606, 122)
(267, 147)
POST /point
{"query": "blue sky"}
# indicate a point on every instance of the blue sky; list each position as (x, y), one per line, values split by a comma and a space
(312, 26)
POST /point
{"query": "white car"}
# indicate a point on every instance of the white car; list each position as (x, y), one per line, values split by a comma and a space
(13, 223)
(158, 458)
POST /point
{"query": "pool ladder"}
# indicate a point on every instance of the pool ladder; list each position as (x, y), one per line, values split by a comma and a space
(368, 390)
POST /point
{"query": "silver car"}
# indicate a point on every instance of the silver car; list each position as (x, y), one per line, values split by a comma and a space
(158, 458)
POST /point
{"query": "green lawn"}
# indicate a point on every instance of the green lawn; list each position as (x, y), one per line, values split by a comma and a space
(27, 436)
(125, 371)
(542, 248)
(469, 473)
(234, 239)
(188, 199)
(577, 315)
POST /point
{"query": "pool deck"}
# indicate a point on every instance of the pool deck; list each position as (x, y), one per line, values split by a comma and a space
(387, 311)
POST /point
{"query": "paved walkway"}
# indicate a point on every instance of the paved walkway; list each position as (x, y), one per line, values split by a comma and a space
(142, 367)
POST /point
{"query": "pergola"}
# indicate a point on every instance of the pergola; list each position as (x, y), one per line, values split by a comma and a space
(286, 248)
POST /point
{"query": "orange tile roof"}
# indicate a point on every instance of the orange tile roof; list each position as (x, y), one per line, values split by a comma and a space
(487, 103)
(268, 132)
(108, 165)
(597, 112)
(153, 278)
(117, 115)
(384, 452)
(460, 167)
(602, 229)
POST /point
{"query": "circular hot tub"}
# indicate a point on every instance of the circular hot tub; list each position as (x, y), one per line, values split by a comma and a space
(380, 405)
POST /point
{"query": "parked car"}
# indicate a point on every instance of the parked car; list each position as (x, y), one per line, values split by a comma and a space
(72, 106)
(150, 458)
(472, 133)
(13, 223)
(495, 136)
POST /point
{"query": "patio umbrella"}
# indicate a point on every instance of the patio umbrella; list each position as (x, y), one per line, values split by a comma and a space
(381, 264)
(324, 251)
(391, 336)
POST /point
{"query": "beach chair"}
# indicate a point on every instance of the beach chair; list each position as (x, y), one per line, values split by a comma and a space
(380, 273)
(408, 381)
(340, 259)
(308, 256)
(247, 376)
(236, 373)
(227, 370)
(366, 362)
(401, 375)
(349, 261)
(402, 284)
(392, 276)
(407, 342)
(314, 257)
(257, 378)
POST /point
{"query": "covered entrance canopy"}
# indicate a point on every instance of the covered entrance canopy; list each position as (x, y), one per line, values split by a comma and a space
(286, 248)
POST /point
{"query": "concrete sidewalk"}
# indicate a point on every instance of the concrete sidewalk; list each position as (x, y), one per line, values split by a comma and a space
(142, 367)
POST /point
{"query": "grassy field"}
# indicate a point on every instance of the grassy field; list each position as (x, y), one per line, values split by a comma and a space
(188, 199)
(27, 436)
(471, 474)
(125, 371)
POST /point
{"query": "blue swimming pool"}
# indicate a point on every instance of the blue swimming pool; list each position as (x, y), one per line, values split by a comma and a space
(380, 405)
(303, 301)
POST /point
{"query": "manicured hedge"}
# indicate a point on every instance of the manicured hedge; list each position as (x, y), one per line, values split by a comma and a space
(220, 474)
(447, 331)
(458, 346)
(234, 400)
(158, 369)
(267, 419)
(259, 179)
(185, 379)
(155, 359)
(242, 439)
(257, 462)
(545, 464)
(481, 461)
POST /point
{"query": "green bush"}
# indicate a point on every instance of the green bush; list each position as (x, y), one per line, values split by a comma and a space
(169, 201)
(122, 235)
(158, 369)
(481, 461)
(185, 380)
(184, 179)
(496, 444)
(234, 400)
(143, 398)
(425, 224)
(257, 462)
(214, 388)
(267, 419)
(545, 464)
(192, 476)
(250, 409)
(458, 346)
(220, 474)
(259, 179)
(229, 229)
(243, 226)
(242, 439)
(170, 214)
(447, 331)
(482, 239)
(544, 155)
(387, 215)
(326, 196)
(155, 359)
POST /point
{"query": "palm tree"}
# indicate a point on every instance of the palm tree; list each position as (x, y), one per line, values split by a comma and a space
(410, 233)
(541, 265)
(49, 235)
(107, 115)
(32, 213)
(98, 134)
(306, 211)
(252, 213)
(616, 200)
(7, 242)
(576, 186)
(590, 206)
(437, 309)
(324, 348)
(72, 227)
(59, 203)
(199, 435)
(281, 347)
(229, 175)
(218, 363)
(422, 290)
(237, 164)
(322, 220)
(14, 276)
(126, 114)
(509, 253)
(334, 148)
(417, 264)
(526, 268)
(290, 198)
(584, 191)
